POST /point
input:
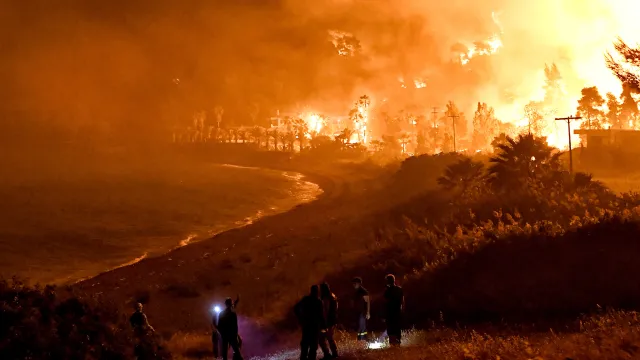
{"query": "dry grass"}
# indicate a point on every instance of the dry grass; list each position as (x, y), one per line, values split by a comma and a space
(614, 335)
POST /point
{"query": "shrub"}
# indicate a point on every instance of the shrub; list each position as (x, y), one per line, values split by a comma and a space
(46, 323)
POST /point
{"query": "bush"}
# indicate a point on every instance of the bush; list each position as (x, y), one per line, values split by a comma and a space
(47, 323)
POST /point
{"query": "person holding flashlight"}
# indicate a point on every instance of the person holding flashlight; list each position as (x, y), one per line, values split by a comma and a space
(227, 328)
(362, 308)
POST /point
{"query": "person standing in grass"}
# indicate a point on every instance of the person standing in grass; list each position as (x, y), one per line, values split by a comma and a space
(394, 298)
(330, 311)
(309, 313)
(228, 329)
(362, 308)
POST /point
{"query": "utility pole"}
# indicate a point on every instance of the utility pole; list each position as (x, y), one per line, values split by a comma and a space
(568, 120)
(435, 115)
(454, 118)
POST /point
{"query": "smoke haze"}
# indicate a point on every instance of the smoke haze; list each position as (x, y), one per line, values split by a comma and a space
(132, 70)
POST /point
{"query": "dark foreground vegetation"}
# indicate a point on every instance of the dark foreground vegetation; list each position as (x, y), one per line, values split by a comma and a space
(509, 256)
(50, 323)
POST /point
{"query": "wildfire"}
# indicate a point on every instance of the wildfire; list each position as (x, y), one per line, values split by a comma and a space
(488, 47)
(345, 43)
(314, 122)
(418, 83)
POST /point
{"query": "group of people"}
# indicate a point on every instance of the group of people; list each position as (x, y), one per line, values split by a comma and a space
(317, 314)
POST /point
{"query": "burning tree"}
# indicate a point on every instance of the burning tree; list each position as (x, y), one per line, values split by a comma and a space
(613, 111)
(590, 107)
(360, 117)
(453, 117)
(628, 108)
(534, 112)
(485, 126)
(626, 64)
(553, 92)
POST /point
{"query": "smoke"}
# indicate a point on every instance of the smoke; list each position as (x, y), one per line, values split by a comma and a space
(405, 38)
(138, 68)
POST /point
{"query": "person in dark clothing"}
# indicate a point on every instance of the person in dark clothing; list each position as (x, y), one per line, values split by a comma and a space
(310, 316)
(215, 334)
(362, 308)
(142, 333)
(330, 311)
(139, 322)
(394, 298)
(228, 328)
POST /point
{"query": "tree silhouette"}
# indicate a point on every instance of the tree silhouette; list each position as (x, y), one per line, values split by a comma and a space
(589, 106)
(521, 163)
(485, 125)
(501, 139)
(613, 111)
(552, 86)
(628, 108)
(454, 115)
(626, 65)
(534, 112)
(257, 133)
(345, 136)
(463, 176)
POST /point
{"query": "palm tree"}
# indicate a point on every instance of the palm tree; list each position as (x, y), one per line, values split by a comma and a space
(463, 176)
(585, 182)
(522, 162)
(301, 129)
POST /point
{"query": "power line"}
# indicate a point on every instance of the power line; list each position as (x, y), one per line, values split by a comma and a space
(568, 120)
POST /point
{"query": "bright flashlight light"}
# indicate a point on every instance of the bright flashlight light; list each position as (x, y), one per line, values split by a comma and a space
(217, 309)
(376, 345)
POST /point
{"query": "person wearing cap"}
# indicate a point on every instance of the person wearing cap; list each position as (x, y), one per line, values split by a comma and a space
(394, 306)
(227, 327)
(362, 308)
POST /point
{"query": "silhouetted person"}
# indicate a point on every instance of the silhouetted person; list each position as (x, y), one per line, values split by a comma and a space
(141, 332)
(310, 316)
(228, 328)
(394, 298)
(330, 311)
(139, 322)
(362, 308)
(215, 334)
